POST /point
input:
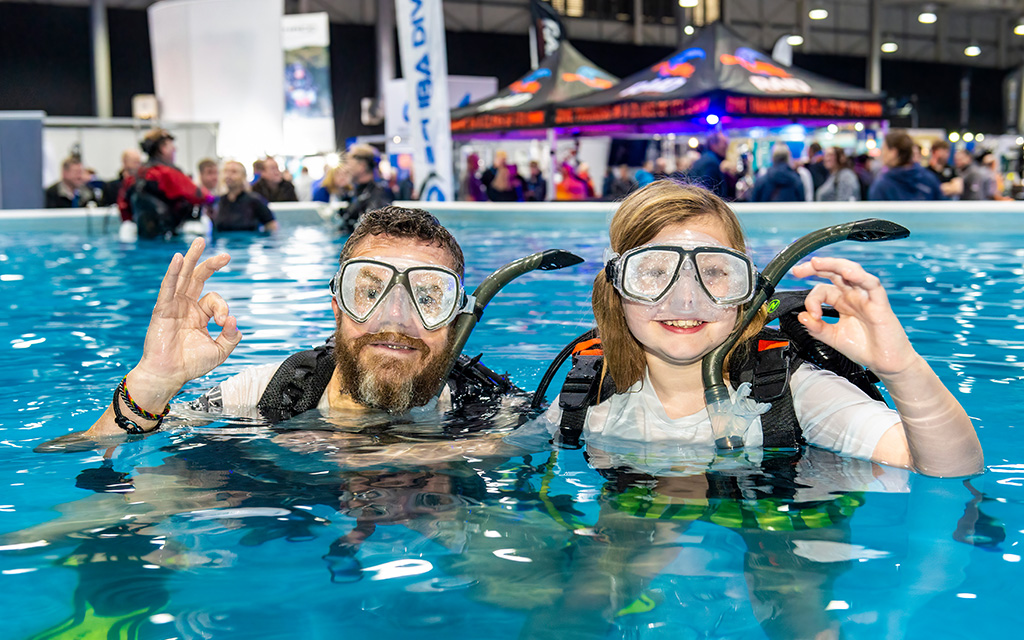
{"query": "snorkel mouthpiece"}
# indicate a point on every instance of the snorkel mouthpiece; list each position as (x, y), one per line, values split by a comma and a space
(730, 419)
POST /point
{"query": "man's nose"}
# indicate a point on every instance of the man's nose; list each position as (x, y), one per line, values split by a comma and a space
(396, 312)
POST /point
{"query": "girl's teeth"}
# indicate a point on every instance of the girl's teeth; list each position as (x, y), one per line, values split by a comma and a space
(683, 324)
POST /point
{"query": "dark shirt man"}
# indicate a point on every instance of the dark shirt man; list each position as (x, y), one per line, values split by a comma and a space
(904, 180)
(707, 172)
(535, 187)
(938, 163)
(780, 183)
(816, 165)
(71, 190)
(238, 209)
(979, 182)
(272, 185)
(367, 193)
(621, 184)
(131, 162)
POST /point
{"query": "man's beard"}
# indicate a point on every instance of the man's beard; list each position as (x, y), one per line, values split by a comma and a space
(384, 382)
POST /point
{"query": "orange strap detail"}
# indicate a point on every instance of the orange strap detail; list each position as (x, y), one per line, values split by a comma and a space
(590, 347)
(764, 345)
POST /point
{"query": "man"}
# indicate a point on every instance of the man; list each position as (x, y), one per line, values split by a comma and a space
(707, 172)
(621, 184)
(535, 187)
(816, 165)
(71, 190)
(938, 164)
(391, 350)
(272, 184)
(367, 193)
(979, 181)
(238, 209)
(209, 174)
(131, 162)
(904, 180)
(780, 183)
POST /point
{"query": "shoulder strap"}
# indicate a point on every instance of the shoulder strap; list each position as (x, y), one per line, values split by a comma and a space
(583, 388)
(766, 362)
(298, 384)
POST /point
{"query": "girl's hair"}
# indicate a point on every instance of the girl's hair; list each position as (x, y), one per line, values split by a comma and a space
(639, 218)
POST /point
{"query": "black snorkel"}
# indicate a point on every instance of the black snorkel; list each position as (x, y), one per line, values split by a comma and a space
(728, 433)
(549, 260)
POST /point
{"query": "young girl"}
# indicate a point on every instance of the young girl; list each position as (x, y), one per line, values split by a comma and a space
(671, 292)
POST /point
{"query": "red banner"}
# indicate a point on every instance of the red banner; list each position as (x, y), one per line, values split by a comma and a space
(781, 107)
(492, 121)
(655, 110)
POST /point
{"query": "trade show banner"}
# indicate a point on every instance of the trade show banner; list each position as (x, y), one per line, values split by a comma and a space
(308, 105)
(546, 32)
(425, 69)
(462, 90)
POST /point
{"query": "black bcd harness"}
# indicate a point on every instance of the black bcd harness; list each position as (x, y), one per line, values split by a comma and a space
(766, 361)
(300, 382)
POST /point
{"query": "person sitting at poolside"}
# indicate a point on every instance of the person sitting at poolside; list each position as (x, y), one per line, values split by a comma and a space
(239, 209)
(677, 246)
(391, 347)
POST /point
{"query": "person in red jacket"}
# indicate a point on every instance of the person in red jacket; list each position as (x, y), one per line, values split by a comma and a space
(160, 197)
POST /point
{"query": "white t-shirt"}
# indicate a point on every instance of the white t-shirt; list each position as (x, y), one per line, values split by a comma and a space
(833, 414)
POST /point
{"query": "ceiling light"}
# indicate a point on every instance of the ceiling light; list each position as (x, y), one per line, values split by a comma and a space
(968, 136)
(817, 14)
(686, 4)
(692, 143)
(972, 51)
(890, 47)
(859, 126)
(712, 119)
(688, 29)
(954, 136)
(871, 143)
(833, 129)
(980, 137)
(1019, 29)
(1020, 140)
(794, 41)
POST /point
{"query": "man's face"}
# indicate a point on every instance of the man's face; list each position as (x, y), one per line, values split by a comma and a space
(355, 167)
(208, 177)
(234, 176)
(940, 156)
(131, 161)
(74, 176)
(391, 361)
(890, 156)
(271, 172)
(719, 144)
(962, 159)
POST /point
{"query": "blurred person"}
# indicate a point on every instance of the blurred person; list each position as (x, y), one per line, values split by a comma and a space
(904, 180)
(991, 162)
(862, 167)
(94, 184)
(780, 183)
(334, 187)
(707, 171)
(405, 188)
(917, 154)
(645, 175)
(979, 181)
(160, 197)
(71, 191)
(500, 180)
(209, 174)
(304, 185)
(257, 170)
(660, 169)
(367, 192)
(938, 164)
(842, 184)
(239, 209)
(621, 184)
(686, 162)
(471, 189)
(131, 161)
(816, 165)
(806, 180)
(272, 184)
(535, 187)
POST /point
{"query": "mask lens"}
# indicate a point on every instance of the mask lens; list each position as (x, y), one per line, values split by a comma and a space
(726, 277)
(648, 274)
(435, 294)
(363, 285)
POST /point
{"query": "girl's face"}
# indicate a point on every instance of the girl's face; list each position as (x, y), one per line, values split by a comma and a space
(681, 329)
(830, 159)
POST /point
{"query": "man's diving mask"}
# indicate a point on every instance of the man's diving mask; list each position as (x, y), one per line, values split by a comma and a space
(362, 284)
(714, 276)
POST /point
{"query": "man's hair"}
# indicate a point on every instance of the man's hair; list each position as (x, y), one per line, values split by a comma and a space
(402, 222)
(903, 144)
(257, 166)
(366, 154)
(153, 139)
(206, 162)
(780, 153)
(940, 144)
(69, 162)
(813, 149)
(241, 166)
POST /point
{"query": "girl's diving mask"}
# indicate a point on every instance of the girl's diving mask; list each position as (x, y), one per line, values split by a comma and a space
(710, 275)
(362, 284)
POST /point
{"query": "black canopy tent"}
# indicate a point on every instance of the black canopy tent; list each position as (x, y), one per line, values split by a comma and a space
(718, 72)
(526, 103)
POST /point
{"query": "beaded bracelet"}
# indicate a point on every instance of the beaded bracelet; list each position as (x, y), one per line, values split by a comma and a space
(136, 409)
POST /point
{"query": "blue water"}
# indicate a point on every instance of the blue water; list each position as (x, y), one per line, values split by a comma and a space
(239, 532)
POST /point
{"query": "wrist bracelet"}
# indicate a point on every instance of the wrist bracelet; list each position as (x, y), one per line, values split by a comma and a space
(135, 408)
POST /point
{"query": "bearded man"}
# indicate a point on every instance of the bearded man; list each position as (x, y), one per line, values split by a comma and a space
(396, 294)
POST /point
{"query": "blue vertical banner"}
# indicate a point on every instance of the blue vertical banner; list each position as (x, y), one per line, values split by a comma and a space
(425, 70)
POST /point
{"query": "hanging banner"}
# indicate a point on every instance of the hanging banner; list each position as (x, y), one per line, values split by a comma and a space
(308, 105)
(425, 70)
(547, 31)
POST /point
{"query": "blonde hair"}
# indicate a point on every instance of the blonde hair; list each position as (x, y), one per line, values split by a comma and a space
(639, 218)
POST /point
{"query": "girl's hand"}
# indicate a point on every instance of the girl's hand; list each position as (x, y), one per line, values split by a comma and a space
(868, 331)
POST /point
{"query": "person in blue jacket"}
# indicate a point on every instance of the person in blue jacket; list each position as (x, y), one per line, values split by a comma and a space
(707, 171)
(780, 183)
(904, 179)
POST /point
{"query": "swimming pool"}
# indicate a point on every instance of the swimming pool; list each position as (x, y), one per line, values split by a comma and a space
(231, 531)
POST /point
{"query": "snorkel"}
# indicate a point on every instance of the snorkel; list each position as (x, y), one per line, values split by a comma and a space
(549, 260)
(729, 420)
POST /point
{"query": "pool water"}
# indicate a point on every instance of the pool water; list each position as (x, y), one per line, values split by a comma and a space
(233, 530)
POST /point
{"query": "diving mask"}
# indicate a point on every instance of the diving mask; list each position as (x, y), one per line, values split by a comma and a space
(436, 292)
